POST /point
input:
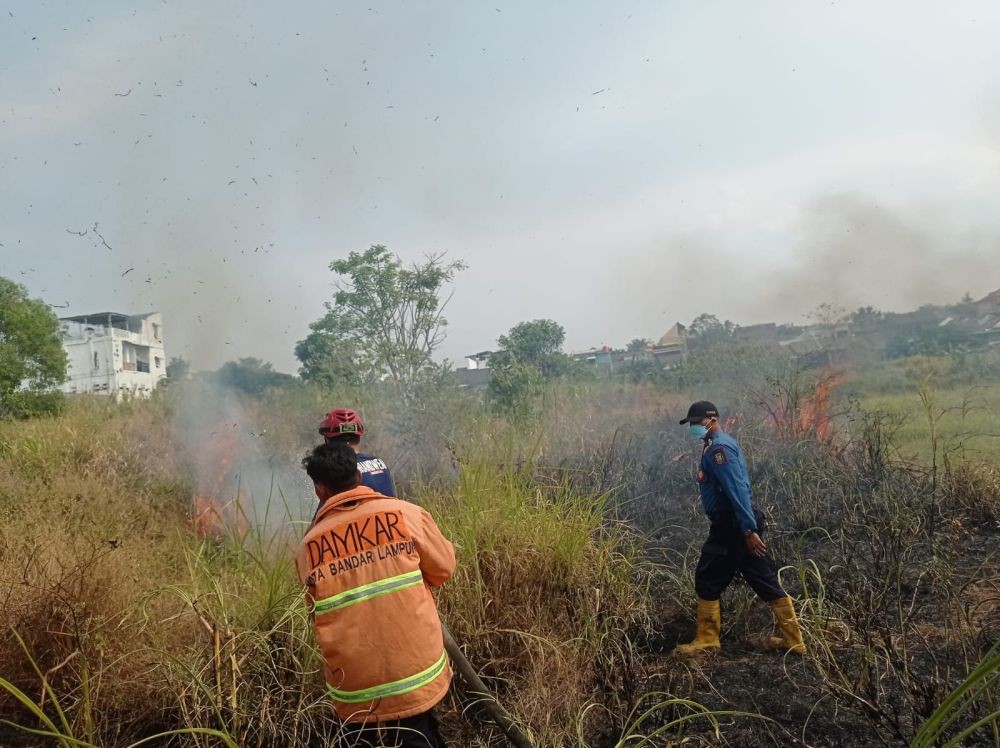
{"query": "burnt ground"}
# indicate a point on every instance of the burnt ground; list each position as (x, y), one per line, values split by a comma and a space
(876, 562)
(786, 690)
(789, 691)
(14, 738)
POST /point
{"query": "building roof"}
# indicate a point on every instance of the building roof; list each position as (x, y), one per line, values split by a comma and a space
(101, 318)
(766, 331)
(673, 336)
(991, 298)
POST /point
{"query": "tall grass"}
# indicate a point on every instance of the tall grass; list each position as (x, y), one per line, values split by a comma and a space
(142, 628)
(546, 594)
(892, 564)
(63, 732)
(945, 726)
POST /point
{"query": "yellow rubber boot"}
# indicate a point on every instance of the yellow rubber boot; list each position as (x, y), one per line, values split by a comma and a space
(786, 622)
(708, 627)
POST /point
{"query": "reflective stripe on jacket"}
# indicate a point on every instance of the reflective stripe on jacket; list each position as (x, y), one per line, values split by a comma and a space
(368, 562)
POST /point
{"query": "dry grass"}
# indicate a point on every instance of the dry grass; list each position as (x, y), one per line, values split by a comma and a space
(546, 594)
(140, 626)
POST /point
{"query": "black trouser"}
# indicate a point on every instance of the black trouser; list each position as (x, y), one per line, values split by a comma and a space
(725, 552)
(418, 731)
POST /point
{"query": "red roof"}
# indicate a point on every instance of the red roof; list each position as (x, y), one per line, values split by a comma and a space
(993, 298)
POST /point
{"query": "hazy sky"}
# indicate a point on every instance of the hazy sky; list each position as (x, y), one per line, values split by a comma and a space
(614, 166)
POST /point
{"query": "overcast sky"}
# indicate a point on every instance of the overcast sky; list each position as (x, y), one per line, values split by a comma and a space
(614, 166)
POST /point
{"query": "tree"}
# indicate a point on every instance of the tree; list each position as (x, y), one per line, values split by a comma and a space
(32, 359)
(528, 355)
(736, 369)
(641, 370)
(638, 345)
(828, 315)
(537, 343)
(178, 368)
(706, 330)
(966, 307)
(252, 376)
(385, 321)
(514, 385)
(867, 317)
(331, 361)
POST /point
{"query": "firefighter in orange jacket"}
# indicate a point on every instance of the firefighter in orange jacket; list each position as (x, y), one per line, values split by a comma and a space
(369, 562)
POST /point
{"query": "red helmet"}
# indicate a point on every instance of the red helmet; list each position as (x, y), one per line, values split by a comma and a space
(341, 422)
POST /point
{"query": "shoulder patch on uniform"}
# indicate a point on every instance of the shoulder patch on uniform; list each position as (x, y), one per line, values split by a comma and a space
(719, 457)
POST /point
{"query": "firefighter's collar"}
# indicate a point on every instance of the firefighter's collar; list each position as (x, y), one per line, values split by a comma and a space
(358, 494)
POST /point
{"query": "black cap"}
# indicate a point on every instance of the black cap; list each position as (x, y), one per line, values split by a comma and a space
(699, 410)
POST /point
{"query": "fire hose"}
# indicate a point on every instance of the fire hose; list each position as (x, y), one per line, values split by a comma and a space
(486, 700)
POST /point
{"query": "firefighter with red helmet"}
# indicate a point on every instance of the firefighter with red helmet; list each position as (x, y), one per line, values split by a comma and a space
(369, 564)
(345, 425)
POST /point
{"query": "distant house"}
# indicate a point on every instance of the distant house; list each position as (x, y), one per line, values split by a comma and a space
(606, 359)
(806, 343)
(988, 328)
(989, 304)
(671, 348)
(479, 360)
(978, 321)
(821, 345)
(766, 332)
(476, 374)
(838, 344)
(473, 379)
(114, 354)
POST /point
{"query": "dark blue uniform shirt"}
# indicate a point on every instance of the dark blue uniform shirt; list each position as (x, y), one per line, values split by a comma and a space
(724, 482)
(375, 474)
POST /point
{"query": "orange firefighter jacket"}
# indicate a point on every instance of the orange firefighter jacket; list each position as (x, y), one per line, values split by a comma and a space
(368, 562)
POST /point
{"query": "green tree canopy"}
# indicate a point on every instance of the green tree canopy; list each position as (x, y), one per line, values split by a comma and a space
(331, 360)
(537, 343)
(252, 376)
(828, 315)
(385, 320)
(643, 369)
(735, 368)
(32, 359)
(638, 345)
(178, 368)
(866, 317)
(529, 354)
(706, 331)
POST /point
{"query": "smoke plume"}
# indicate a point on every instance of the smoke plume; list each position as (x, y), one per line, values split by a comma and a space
(852, 252)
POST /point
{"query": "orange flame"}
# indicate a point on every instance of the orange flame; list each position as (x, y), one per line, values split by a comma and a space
(213, 516)
(815, 416)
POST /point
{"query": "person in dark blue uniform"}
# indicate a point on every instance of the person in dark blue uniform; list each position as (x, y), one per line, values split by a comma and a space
(734, 541)
(344, 424)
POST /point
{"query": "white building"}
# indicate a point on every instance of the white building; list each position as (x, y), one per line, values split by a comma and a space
(114, 354)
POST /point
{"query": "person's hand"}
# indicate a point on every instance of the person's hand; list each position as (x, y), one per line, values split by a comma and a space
(755, 545)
